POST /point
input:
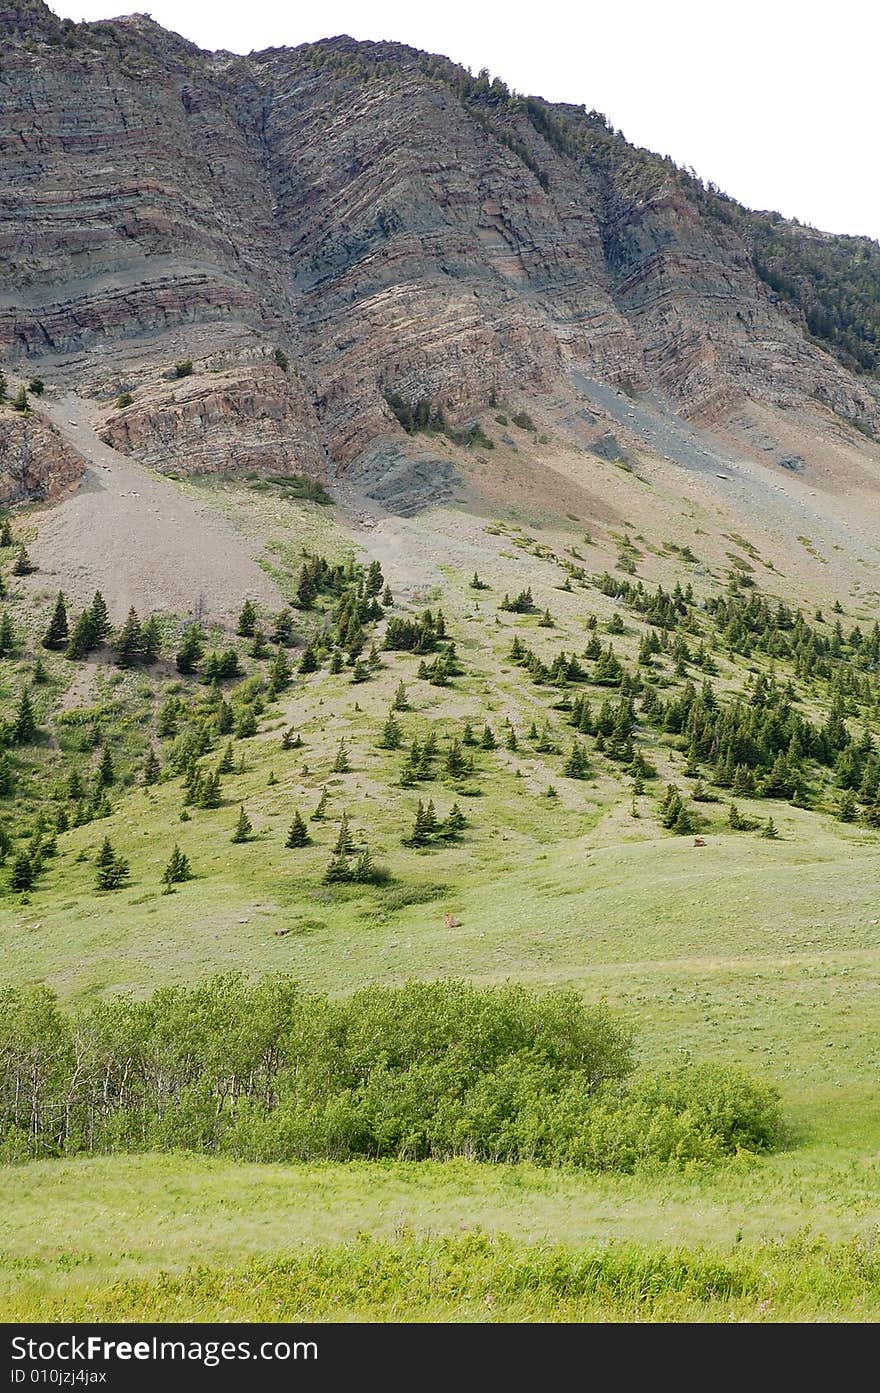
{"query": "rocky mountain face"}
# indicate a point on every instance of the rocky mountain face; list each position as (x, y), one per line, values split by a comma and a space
(314, 229)
(35, 462)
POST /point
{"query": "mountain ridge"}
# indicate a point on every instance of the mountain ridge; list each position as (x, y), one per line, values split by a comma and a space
(321, 228)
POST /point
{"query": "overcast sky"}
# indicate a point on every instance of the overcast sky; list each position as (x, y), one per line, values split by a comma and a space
(773, 100)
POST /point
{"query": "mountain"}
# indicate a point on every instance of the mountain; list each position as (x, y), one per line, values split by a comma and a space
(322, 230)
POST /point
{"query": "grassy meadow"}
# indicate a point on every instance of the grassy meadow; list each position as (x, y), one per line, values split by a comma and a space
(759, 952)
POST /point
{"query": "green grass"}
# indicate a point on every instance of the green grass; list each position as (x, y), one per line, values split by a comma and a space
(762, 953)
(170, 1237)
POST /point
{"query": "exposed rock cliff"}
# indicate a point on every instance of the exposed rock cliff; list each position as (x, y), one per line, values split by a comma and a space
(386, 222)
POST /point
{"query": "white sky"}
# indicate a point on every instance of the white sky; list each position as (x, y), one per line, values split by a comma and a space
(776, 101)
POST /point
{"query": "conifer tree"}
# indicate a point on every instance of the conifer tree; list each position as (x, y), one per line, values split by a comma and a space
(22, 565)
(56, 635)
(7, 777)
(190, 650)
(151, 641)
(177, 871)
(391, 737)
(227, 759)
(243, 827)
(279, 672)
(341, 764)
(308, 662)
(338, 871)
(129, 643)
(364, 870)
(7, 635)
(401, 701)
(105, 772)
(210, 794)
(246, 725)
(387, 597)
(487, 739)
(152, 768)
(769, 831)
(22, 875)
(225, 718)
(282, 632)
(290, 740)
(24, 727)
(100, 618)
(455, 822)
(336, 662)
(344, 841)
(577, 766)
(247, 620)
(81, 640)
(259, 648)
(321, 809)
(6, 538)
(297, 834)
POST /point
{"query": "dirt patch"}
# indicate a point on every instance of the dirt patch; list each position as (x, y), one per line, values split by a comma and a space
(138, 538)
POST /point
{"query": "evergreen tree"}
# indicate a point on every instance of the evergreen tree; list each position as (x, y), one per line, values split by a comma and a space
(387, 597)
(487, 739)
(22, 565)
(106, 772)
(455, 822)
(7, 777)
(282, 633)
(769, 830)
(290, 740)
(321, 810)
(82, 639)
(210, 794)
(259, 648)
(22, 875)
(336, 662)
(338, 871)
(364, 871)
(129, 642)
(308, 662)
(24, 727)
(247, 620)
(419, 834)
(178, 869)
(56, 635)
(151, 641)
(190, 650)
(297, 834)
(401, 701)
(243, 827)
(7, 635)
(279, 672)
(344, 841)
(246, 725)
(341, 764)
(100, 618)
(510, 739)
(360, 672)
(577, 766)
(391, 737)
(6, 538)
(467, 735)
(227, 760)
(225, 718)
(847, 808)
(152, 768)
(112, 873)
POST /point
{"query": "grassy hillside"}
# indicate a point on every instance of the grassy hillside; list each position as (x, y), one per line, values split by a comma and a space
(750, 949)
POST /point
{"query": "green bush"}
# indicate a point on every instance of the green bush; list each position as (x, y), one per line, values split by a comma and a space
(270, 1073)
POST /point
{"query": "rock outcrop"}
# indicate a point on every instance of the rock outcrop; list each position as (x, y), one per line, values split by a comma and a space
(35, 463)
(370, 217)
